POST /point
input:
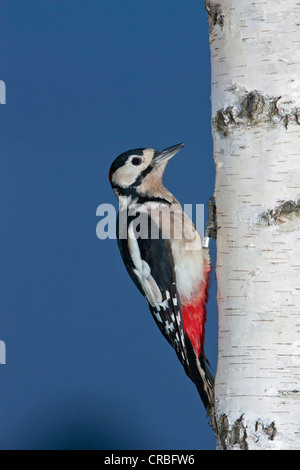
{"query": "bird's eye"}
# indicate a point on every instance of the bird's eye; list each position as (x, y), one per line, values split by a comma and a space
(136, 161)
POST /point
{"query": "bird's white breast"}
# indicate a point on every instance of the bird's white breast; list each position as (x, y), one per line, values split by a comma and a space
(189, 269)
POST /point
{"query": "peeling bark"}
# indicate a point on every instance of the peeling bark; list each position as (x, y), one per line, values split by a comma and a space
(255, 121)
(285, 212)
(214, 14)
(251, 109)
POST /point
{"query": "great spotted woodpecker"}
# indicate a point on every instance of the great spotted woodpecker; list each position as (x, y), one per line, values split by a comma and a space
(166, 259)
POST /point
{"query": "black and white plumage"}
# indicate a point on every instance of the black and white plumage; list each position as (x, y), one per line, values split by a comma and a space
(151, 267)
(169, 269)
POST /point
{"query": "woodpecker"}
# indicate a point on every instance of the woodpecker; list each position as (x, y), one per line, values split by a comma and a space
(166, 259)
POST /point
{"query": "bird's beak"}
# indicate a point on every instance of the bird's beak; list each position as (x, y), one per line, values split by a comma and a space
(166, 154)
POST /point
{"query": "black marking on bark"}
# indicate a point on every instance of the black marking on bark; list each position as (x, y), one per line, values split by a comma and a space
(224, 119)
(252, 109)
(251, 106)
(270, 429)
(288, 392)
(222, 431)
(229, 437)
(214, 14)
(284, 212)
(273, 109)
(239, 434)
(236, 436)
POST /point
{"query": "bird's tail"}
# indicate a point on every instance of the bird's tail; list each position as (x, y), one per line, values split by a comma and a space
(200, 375)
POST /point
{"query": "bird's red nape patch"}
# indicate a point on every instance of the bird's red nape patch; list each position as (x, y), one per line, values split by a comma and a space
(194, 315)
(110, 175)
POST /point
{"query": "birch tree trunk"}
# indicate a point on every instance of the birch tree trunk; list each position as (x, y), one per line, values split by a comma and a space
(255, 55)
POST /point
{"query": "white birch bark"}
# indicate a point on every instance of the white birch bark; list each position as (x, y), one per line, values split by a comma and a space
(255, 54)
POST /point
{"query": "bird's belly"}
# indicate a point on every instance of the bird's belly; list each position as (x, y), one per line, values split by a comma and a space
(190, 272)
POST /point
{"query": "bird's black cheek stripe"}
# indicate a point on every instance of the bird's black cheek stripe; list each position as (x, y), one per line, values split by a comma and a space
(138, 198)
(143, 175)
(131, 191)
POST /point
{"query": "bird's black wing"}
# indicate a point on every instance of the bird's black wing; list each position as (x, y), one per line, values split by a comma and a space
(150, 264)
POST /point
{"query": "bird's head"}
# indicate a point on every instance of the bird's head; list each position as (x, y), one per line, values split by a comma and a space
(139, 171)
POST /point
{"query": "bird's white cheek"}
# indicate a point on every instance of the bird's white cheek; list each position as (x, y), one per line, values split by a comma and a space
(125, 176)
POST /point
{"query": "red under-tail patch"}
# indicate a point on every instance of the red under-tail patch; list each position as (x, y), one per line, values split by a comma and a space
(194, 315)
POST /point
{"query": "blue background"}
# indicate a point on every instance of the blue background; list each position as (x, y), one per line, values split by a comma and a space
(86, 80)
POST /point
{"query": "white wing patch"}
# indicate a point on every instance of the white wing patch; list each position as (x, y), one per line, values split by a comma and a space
(142, 270)
(167, 312)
